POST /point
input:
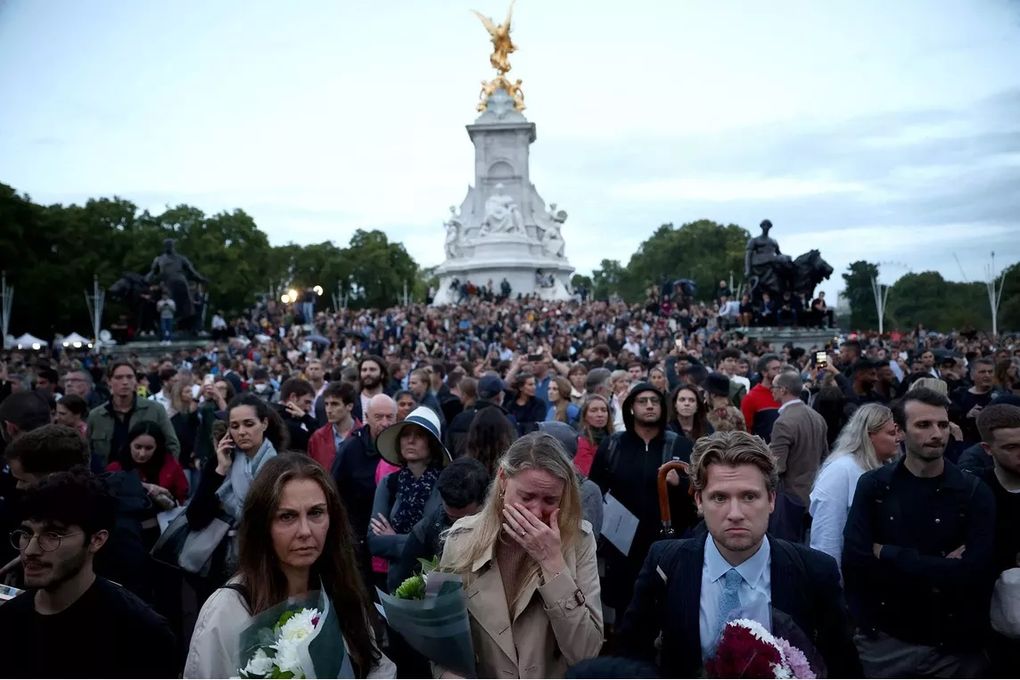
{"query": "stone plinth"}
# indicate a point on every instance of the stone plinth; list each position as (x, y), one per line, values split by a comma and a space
(503, 229)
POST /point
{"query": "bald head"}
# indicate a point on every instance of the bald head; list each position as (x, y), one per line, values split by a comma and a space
(382, 412)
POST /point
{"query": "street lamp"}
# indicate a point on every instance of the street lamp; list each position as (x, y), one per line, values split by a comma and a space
(285, 299)
(318, 290)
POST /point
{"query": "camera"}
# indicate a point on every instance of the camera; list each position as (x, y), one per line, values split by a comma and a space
(821, 359)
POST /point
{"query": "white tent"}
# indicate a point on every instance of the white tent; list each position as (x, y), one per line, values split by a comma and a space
(76, 341)
(29, 341)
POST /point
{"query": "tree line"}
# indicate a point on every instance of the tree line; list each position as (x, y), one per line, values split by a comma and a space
(51, 252)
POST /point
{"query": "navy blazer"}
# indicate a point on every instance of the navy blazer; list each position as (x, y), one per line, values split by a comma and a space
(667, 599)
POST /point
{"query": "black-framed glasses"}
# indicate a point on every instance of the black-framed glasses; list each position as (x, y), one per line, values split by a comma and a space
(48, 540)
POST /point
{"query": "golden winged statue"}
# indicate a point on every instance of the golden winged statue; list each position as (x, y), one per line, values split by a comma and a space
(502, 46)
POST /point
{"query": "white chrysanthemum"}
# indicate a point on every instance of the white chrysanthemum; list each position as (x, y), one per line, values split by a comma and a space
(260, 664)
(287, 658)
(781, 672)
(757, 630)
(299, 626)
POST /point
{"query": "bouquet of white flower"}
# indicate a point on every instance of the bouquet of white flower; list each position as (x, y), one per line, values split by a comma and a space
(299, 638)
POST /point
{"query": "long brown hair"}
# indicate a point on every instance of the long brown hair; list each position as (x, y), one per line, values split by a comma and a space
(259, 568)
(489, 436)
(563, 387)
(586, 430)
(699, 421)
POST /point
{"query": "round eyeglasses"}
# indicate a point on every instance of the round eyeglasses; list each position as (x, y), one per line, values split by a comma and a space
(48, 540)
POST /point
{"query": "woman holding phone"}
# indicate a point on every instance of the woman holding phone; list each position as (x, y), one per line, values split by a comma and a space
(254, 434)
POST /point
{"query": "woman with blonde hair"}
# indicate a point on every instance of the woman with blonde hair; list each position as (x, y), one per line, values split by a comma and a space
(528, 564)
(869, 440)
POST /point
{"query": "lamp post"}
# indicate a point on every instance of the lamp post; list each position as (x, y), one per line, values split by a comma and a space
(881, 293)
(994, 284)
(6, 298)
(95, 301)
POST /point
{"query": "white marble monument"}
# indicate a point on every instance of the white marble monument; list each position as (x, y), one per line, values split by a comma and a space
(503, 229)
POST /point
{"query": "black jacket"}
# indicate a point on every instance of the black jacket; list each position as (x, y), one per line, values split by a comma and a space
(627, 467)
(354, 473)
(914, 592)
(804, 583)
(528, 415)
(299, 429)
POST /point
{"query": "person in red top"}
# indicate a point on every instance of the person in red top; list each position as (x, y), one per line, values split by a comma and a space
(595, 423)
(338, 400)
(161, 474)
(760, 397)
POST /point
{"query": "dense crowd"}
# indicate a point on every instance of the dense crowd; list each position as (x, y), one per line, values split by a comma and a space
(864, 494)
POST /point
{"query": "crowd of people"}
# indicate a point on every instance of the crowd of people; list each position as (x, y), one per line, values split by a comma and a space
(865, 493)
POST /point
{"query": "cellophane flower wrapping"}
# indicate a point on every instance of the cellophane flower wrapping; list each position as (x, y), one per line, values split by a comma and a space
(437, 626)
(748, 650)
(298, 638)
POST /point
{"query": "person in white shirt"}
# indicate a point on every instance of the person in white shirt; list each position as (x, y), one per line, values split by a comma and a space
(869, 440)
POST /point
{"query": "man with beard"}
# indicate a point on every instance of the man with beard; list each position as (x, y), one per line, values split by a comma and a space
(70, 622)
(372, 376)
(864, 377)
(626, 465)
(688, 590)
(917, 556)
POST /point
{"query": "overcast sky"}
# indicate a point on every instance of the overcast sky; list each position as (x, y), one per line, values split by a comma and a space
(868, 129)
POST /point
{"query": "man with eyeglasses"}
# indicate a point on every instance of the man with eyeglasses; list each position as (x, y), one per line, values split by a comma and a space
(626, 465)
(70, 622)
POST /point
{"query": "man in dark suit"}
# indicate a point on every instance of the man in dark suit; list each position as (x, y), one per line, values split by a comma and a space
(687, 590)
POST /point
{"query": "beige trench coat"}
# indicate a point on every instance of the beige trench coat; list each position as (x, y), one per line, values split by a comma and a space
(553, 626)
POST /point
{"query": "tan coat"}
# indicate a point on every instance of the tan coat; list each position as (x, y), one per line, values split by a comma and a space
(799, 444)
(554, 625)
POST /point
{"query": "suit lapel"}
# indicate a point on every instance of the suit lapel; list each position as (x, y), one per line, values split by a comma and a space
(487, 603)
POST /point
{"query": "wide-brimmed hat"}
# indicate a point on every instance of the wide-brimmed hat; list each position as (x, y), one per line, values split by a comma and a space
(388, 443)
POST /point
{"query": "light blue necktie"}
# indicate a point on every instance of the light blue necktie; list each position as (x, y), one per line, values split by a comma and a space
(729, 599)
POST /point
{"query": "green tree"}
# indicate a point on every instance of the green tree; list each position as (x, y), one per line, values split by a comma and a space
(606, 279)
(703, 251)
(859, 294)
(580, 281)
(929, 299)
(378, 268)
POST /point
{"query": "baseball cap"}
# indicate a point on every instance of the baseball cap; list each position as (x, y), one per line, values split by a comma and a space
(489, 385)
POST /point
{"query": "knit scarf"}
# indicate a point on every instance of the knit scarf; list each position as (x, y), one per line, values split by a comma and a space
(234, 488)
(414, 493)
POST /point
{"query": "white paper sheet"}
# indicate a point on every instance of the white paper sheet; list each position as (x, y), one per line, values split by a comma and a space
(618, 524)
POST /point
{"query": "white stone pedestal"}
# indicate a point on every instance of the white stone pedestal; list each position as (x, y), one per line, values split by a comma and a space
(503, 229)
